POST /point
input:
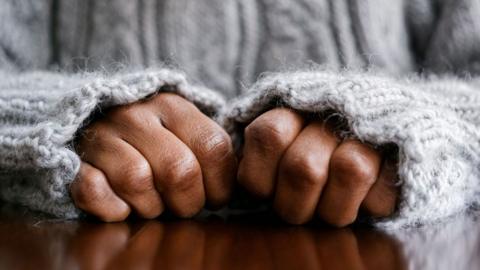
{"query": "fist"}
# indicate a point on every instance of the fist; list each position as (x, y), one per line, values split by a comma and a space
(151, 155)
(308, 172)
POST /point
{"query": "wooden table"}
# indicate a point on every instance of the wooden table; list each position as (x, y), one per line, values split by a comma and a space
(255, 241)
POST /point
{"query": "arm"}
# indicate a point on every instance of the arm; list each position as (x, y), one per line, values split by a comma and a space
(433, 120)
(437, 136)
(42, 113)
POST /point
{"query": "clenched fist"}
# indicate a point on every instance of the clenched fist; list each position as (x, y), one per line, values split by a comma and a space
(308, 172)
(158, 153)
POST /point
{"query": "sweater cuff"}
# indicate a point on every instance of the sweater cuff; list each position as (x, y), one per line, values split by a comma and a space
(438, 151)
(38, 157)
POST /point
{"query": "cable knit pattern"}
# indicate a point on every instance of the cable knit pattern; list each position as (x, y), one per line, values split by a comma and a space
(37, 162)
(439, 161)
(225, 45)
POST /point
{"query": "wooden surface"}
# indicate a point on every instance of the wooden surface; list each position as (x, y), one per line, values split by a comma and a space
(258, 241)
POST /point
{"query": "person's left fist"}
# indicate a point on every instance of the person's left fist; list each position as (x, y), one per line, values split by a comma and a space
(309, 172)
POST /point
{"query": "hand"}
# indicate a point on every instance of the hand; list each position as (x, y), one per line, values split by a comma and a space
(309, 172)
(162, 152)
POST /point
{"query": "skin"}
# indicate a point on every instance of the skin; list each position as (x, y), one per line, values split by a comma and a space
(152, 155)
(164, 153)
(309, 173)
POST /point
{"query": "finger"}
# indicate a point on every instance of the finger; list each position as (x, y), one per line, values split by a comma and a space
(128, 172)
(353, 169)
(266, 139)
(381, 199)
(303, 172)
(92, 193)
(176, 171)
(211, 145)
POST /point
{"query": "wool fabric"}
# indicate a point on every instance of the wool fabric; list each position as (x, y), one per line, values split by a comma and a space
(400, 72)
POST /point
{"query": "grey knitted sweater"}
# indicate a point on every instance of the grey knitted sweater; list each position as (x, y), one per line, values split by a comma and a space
(400, 72)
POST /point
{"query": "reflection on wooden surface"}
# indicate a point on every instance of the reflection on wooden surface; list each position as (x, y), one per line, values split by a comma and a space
(247, 242)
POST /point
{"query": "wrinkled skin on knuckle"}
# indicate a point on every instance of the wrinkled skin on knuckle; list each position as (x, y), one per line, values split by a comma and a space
(136, 178)
(354, 169)
(266, 134)
(215, 145)
(182, 173)
(302, 170)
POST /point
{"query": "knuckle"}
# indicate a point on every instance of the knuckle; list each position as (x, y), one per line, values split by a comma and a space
(182, 174)
(303, 171)
(136, 178)
(215, 146)
(354, 169)
(266, 133)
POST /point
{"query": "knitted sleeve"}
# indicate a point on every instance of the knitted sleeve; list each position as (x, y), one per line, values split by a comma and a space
(437, 134)
(41, 113)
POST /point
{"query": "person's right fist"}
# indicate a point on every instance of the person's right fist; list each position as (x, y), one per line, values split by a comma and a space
(151, 155)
